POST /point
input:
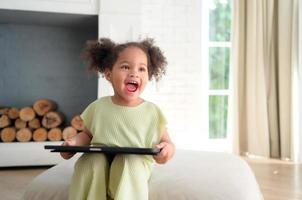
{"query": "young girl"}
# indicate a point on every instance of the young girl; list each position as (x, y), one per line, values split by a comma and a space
(123, 120)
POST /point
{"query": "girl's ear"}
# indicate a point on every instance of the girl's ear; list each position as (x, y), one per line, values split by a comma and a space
(107, 74)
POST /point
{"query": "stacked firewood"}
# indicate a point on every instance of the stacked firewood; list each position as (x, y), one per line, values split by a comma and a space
(40, 122)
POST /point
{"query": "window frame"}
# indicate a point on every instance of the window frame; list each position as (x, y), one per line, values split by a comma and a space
(214, 144)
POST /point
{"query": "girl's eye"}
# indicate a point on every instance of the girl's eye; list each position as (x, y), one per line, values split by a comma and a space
(125, 67)
(142, 69)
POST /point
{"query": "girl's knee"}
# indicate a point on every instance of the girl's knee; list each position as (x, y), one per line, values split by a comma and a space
(130, 160)
(91, 160)
(134, 159)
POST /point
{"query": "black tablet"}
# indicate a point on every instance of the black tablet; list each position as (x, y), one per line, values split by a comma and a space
(103, 149)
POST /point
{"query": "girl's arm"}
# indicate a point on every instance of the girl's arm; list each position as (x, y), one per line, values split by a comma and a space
(81, 139)
(167, 149)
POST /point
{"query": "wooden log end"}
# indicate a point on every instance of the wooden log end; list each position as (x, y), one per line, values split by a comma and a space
(43, 106)
(34, 123)
(8, 134)
(40, 135)
(13, 113)
(19, 123)
(52, 119)
(24, 135)
(4, 111)
(27, 114)
(4, 121)
(69, 132)
(54, 134)
(77, 123)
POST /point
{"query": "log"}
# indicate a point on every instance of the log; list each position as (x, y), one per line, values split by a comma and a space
(69, 132)
(8, 134)
(13, 113)
(24, 135)
(54, 134)
(40, 135)
(77, 123)
(4, 111)
(19, 123)
(34, 123)
(27, 114)
(4, 121)
(43, 106)
(52, 119)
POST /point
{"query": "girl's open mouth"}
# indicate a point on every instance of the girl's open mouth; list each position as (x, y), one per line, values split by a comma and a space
(132, 86)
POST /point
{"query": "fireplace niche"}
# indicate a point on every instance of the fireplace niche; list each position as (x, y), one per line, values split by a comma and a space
(41, 58)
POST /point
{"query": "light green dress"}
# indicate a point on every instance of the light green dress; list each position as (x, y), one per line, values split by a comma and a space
(126, 177)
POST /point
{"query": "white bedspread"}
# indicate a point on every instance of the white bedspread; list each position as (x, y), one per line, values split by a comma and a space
(191, 175)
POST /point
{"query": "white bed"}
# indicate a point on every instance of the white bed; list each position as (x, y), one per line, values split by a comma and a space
(191, 175)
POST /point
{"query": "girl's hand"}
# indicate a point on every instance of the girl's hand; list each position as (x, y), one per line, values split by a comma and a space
(166, 153)
(68, 155)
(82, 138)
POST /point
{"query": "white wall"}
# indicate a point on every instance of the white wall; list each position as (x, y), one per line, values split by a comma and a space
(176, 27)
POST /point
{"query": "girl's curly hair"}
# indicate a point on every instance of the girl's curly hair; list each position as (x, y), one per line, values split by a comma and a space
(103, 53)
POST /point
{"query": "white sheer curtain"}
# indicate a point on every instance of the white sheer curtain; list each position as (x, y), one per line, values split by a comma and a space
(297, 91)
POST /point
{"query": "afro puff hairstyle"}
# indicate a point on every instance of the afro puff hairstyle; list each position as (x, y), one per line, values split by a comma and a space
(103, 53)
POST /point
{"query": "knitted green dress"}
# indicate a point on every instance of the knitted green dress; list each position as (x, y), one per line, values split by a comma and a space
(126, 176)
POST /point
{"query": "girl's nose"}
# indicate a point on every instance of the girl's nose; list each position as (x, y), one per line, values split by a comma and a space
(133, 74)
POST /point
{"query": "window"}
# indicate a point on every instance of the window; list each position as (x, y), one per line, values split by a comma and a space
(216, 44)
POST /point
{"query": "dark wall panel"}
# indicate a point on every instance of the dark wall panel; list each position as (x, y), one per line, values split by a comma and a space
(45, 62)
